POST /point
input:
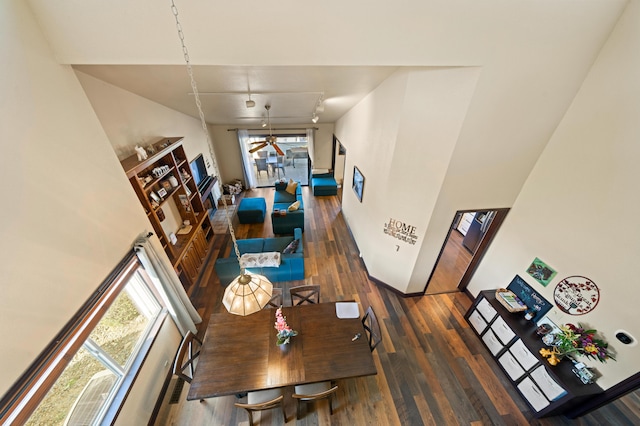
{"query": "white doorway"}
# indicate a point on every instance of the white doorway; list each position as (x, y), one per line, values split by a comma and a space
(469, 236)
(338, 162)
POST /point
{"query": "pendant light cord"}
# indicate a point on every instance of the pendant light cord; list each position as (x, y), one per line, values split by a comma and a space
(194, 87)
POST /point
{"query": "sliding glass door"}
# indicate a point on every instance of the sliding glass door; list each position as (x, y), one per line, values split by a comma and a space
(268, 166)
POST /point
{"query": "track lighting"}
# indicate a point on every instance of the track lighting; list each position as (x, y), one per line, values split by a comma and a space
(263, 123)
(250, 103)
(315, 118)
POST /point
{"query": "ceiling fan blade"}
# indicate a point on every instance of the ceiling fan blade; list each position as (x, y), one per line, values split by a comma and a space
(277, 148)
(258, 148)
(253, 143)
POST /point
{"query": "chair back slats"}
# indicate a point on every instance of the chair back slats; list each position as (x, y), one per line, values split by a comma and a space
(305, 294)
(185, 362)
(302, 396)
(372, 328)
(276, 299)
(267, 405)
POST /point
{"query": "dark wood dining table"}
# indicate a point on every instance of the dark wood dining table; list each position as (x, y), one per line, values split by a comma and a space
(240, 354)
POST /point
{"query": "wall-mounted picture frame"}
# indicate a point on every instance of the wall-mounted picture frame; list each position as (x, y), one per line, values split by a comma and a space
(542, 272)
(358, 182)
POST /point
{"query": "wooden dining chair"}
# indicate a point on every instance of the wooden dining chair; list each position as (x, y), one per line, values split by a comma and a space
(372, 328)
(312, 392)
(276, 299)
(185, 362)
(263, 400)
(304, 294)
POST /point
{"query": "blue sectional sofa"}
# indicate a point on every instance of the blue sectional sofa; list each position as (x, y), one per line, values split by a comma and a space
(324, 184)
(291, 265)
(285, 224)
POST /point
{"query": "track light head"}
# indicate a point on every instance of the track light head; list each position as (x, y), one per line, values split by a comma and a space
(250, 103)
(315, 118)
(263, 123)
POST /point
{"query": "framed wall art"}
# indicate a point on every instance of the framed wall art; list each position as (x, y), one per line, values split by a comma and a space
(358, 183)
(542, 272)
(576, 295)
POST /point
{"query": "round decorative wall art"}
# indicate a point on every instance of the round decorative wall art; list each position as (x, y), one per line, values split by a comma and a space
(576, 295)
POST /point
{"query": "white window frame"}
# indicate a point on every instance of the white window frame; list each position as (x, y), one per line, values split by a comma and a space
(23, 398)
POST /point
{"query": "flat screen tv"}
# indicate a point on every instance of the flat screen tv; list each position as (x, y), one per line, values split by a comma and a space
(198, 169)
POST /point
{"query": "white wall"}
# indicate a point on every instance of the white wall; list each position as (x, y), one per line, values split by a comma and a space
(226, 148)
(576, 211)
(129, 120)
(401, 137)
(68, 214)
(140, 402)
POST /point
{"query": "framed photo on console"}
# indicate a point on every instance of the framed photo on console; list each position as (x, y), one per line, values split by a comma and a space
(358, 183)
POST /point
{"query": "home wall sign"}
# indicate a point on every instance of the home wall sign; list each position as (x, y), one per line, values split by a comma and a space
(576, 295)
(401, 231)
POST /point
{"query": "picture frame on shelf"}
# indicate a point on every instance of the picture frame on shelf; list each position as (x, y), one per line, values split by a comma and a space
(358, 182)
(184, 200)
(162, 192)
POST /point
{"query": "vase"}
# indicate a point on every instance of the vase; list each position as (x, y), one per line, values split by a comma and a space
(284, 347)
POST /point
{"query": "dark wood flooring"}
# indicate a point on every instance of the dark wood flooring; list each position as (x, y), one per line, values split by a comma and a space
(451, 266)
(432, 369)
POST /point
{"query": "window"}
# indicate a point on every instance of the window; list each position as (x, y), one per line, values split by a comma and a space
(293, 165)
(76, 381)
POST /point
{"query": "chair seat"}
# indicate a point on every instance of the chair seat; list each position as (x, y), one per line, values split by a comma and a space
(258, 397)
(312, 388)
(312, 392)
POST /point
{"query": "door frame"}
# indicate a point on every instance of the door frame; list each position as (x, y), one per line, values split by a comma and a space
(498, 219)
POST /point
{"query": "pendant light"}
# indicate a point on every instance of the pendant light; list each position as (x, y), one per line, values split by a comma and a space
(247, 293)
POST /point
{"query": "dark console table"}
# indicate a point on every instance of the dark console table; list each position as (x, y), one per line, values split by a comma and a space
(514, 344)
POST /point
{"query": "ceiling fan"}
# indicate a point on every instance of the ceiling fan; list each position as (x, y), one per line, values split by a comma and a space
(269, 140)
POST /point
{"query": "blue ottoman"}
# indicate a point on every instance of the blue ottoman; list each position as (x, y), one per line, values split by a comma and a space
(324, 184)
(252, 210)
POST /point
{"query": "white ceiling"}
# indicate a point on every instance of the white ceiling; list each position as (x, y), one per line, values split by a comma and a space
(290, 52)
(292, 92)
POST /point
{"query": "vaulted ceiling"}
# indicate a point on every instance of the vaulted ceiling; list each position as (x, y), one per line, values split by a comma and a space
(290, 54)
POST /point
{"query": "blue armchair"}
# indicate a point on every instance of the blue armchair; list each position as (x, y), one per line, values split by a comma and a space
(285, 224)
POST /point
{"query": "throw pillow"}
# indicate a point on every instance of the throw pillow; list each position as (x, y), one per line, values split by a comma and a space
(294, 206)
(292, 247)
(260, 260)
(291, 187)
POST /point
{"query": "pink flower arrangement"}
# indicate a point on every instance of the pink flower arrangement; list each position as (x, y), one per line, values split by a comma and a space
(284, 331)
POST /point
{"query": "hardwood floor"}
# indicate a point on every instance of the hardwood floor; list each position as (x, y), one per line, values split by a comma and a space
(451, 266)
(432, 369)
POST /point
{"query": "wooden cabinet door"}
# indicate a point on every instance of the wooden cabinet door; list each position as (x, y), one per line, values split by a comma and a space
(200, 244)
(190, 264)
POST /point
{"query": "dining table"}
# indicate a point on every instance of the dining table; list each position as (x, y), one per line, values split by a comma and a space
(239, 353)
